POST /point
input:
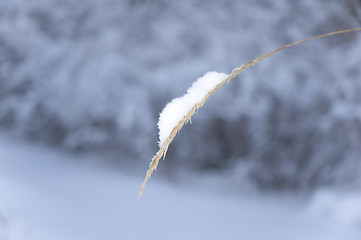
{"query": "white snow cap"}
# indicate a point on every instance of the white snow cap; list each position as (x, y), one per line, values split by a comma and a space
(175, 110)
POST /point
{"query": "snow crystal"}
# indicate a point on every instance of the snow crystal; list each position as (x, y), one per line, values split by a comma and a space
(175, 110)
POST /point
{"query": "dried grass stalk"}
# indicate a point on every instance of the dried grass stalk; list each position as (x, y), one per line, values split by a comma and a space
(163, 150)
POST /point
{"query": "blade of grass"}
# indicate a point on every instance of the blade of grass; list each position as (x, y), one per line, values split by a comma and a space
(163, 149)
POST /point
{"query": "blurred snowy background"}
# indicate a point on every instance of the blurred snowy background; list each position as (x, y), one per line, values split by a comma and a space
(276, 153)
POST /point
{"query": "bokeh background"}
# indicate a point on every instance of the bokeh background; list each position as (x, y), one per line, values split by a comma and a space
(276, 152)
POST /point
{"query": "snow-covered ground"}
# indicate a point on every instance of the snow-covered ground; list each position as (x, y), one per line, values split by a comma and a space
(49, 195)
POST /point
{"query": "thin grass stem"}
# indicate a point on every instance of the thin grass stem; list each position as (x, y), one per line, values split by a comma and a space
(163, 149)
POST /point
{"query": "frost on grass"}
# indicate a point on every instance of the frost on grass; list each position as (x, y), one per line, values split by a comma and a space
(175, 110)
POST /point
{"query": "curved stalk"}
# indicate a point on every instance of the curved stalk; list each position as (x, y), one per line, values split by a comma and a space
(163, 149)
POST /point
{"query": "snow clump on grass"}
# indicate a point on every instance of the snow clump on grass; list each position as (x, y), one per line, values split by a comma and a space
(175, 110)
(179, 111)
